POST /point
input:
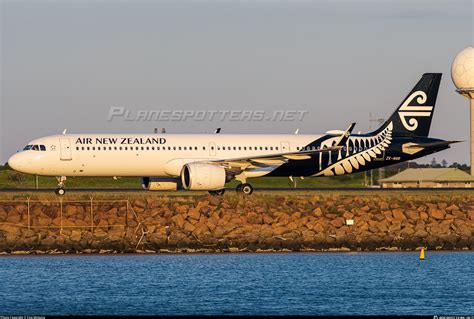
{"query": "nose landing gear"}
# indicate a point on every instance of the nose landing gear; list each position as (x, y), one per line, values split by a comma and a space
(60, 191)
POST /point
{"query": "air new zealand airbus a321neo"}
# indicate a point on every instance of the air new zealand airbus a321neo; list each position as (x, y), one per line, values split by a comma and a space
(208, 161)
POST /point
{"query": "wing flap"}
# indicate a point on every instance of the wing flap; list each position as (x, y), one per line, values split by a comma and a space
(297, 157)
(269, 161)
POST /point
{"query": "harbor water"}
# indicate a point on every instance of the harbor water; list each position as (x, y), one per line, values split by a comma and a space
(239, 284)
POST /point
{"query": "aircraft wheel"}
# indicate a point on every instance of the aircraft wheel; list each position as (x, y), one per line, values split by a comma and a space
(218, 192)
(60, 191)
(247, 189)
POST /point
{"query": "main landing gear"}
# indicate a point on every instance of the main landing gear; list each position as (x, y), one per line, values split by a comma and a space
(244, 188)
(60, 191)
(218, 192)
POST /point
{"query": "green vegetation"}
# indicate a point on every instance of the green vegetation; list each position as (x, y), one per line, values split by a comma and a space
(345, 181)
(12, 179)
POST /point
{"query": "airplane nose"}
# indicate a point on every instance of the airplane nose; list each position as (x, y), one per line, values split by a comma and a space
(17, 162)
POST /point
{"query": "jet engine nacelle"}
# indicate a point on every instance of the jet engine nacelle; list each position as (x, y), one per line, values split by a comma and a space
(197, 176)
(160, 183)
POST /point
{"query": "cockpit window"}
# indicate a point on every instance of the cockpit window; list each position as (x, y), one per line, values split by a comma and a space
(35, 148)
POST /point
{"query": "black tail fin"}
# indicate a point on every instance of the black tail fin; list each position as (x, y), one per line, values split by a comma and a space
(413, 116)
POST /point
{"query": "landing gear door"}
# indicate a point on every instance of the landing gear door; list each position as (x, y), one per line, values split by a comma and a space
(65, 148)
(285, 147)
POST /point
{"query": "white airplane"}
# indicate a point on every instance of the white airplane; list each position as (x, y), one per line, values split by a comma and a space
(209, 161)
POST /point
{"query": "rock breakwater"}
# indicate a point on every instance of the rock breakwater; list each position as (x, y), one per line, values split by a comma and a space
(232, 223)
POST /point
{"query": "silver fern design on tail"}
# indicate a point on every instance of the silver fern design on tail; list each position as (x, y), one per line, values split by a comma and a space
(412, 112)
(363, 150)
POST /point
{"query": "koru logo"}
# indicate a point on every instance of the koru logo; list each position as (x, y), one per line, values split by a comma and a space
(411, 112)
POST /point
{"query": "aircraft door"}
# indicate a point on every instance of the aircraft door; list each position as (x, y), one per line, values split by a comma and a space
(285, 147)
(65, 149)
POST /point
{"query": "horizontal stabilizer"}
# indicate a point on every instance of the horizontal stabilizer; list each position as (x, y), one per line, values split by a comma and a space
(412, 148)
(434, 144)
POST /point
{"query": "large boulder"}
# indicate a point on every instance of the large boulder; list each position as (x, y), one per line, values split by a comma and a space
(437, 213)
(412, 214)
(338, 222)
(194, 213)
(10, 229)
(76, 235)
(178, 220)
(317, 212)
(398, 214)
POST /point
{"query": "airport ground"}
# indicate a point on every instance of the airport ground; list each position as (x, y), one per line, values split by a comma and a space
(145, 222)
(14, 180)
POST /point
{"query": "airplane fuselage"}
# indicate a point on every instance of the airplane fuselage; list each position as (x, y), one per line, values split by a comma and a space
(165, 154)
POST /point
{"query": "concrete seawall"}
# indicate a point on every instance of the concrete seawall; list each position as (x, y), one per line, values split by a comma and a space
(236, 223)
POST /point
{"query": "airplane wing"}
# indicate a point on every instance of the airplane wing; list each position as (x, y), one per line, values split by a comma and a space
(240, 164)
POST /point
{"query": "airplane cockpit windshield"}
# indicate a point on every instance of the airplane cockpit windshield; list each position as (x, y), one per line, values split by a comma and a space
(34, 147)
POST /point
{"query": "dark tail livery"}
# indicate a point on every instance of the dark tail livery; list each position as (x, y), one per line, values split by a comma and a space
(413, 116)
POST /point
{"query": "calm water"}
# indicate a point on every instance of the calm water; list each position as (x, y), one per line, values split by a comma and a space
(241, 284)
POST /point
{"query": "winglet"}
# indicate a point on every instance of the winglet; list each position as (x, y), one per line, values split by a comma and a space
(342, 141)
